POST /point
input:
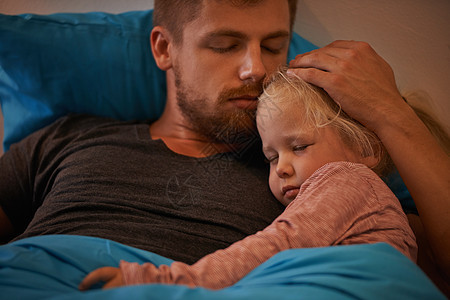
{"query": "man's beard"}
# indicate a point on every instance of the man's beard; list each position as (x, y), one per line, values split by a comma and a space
(234, 127)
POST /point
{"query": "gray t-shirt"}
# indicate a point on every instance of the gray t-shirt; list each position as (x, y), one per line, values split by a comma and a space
(100, 177)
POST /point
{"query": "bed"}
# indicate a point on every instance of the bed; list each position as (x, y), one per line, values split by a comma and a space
(95, 63)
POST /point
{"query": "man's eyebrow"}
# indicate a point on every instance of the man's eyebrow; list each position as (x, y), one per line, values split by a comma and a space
(225, 33)
(277, 34)
(241, 35)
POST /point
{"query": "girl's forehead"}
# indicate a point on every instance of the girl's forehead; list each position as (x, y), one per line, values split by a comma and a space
(288, 126)
(271, 113)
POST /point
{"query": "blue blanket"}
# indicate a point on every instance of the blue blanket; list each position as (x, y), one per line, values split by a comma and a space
(53, 266)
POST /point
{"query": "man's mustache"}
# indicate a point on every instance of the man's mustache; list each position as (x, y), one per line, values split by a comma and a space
(254, 90)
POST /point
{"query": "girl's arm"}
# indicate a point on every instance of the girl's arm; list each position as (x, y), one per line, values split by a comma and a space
(335, 206)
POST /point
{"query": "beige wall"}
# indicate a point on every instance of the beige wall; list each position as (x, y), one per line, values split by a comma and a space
(412, 35)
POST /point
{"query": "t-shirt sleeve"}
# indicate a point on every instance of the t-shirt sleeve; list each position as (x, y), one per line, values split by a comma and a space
(17, 182)
(26, 168)
(335, 206)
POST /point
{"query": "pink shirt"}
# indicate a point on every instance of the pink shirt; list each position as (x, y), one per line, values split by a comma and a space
(342, 203)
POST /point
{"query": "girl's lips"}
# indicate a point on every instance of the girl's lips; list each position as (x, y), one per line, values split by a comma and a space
(290, 192)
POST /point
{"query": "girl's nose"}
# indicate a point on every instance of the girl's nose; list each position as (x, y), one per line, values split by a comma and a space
(284, 168)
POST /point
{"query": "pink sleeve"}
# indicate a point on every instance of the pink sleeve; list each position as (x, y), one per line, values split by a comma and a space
(338, 204)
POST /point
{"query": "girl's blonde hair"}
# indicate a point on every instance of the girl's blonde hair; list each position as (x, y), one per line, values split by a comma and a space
(289, 91)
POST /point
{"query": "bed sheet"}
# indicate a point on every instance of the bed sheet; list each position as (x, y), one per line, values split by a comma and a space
(51, 267)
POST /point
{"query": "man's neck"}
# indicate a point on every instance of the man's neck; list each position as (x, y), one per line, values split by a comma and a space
(182, 139)
(178, 135)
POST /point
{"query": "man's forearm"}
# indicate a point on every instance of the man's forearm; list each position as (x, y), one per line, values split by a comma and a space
(425, 168)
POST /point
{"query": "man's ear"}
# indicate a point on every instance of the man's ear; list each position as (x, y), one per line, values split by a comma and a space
(160, 41)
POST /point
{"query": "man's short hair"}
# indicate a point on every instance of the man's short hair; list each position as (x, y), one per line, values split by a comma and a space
(175, 14)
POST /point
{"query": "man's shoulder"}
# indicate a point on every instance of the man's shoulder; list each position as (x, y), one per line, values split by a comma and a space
(84, 120)
(72, 126)
(81, 122)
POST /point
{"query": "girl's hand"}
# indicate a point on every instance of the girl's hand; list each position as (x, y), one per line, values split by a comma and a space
(111, 276)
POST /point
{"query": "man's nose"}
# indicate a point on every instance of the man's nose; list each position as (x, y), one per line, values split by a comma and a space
(252, 68)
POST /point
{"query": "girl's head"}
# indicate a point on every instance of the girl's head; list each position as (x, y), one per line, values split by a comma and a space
(302, 129)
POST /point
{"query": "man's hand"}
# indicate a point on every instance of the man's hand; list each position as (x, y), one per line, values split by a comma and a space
(356, 77)
(111, 276)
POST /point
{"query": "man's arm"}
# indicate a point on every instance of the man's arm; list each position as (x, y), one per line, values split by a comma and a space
(357, 78)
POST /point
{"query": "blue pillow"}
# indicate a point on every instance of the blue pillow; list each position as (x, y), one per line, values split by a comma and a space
(97, 63)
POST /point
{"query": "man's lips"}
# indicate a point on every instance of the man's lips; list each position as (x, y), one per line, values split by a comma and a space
(245, 102)
(290, 191)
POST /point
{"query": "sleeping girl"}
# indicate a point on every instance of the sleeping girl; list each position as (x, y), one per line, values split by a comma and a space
(324, 166)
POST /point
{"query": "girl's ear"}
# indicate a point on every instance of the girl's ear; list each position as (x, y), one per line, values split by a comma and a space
(371, 161)
(160, 41)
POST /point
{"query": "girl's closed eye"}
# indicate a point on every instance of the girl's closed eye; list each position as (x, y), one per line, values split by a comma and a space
(299, 148)
(271, 159)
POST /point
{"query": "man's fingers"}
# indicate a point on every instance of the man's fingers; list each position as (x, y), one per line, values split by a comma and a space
(349, 44)
(326, 59)
(314, 76)
(101, 274)
(316, 59)
(332, 56)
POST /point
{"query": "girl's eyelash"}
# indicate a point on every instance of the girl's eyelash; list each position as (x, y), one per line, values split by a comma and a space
(300, 148)
(270, 160)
